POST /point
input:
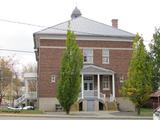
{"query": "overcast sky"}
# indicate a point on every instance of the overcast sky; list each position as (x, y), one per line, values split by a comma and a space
(134, 16)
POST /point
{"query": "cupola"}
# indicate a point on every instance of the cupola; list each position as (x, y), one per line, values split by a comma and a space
(76, 13)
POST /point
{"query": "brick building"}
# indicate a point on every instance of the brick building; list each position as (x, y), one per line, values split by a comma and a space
(107, 51)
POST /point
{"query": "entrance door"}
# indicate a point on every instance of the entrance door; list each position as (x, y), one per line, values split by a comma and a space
(88, 86)
(88, 82)
(89, 91)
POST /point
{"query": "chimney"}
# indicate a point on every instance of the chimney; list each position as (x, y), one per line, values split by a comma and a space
(115, 23)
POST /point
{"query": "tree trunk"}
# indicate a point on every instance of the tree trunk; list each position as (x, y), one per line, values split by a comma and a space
(138, 109)
(67, 112)
(0, 100)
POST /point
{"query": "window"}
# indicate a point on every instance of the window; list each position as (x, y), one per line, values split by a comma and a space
(105, 56)
(85, 86)
(88, 55)
(91, 86)
(53, 78)
(88, 77)
(106, 83)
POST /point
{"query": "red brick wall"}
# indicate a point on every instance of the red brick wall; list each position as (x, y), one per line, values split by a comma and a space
(85, 43)
(49, 65)
(50, 59)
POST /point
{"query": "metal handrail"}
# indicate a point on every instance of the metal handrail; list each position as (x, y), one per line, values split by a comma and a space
(19, 100)
(29, 95)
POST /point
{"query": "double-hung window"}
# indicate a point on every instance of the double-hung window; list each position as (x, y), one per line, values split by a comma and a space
(105, 56)
(88, 55)
(106, 83)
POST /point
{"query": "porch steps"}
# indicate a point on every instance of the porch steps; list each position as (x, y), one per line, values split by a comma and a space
(19, 100)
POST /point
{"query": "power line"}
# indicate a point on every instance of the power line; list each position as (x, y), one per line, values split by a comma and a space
(23, 23)
(41, 26)
(11, 50)
(35, 25)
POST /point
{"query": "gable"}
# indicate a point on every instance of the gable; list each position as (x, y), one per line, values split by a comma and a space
(92, 69)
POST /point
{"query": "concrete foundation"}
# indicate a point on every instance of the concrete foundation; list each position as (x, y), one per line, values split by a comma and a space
(48, 104)
(85, 105)
(96, 105)
(124, 104)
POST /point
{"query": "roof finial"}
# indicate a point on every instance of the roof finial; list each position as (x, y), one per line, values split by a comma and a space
(76, 13)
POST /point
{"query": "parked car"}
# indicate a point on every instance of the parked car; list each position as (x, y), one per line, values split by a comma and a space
(20, 108)
(156, 114)
(14, 108)
(28, 108)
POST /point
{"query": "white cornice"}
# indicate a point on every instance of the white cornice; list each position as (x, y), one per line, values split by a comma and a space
(88, 38)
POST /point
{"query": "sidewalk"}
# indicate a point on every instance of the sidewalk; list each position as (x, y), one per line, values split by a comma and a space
(88, 115)
(102, 115)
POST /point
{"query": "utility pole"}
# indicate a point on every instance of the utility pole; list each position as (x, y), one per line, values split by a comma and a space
(12, 99)
(12, 87)
(1, 80)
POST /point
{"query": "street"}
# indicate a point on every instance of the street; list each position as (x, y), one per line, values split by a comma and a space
(51, 118)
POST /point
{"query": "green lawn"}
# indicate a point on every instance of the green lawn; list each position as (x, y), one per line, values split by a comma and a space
(146, 112)
(36, 111)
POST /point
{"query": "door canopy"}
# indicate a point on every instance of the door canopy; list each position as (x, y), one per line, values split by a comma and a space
(92, 70)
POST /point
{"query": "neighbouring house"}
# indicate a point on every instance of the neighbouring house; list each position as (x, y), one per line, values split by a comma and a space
(29, 96)
(155, 99)
(107, 51)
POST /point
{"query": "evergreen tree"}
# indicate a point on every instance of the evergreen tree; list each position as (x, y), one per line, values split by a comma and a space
(71, 65)
(138, 85)
(155, 56)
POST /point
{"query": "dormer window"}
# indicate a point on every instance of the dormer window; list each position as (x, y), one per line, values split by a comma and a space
(105, 56)
(88, 55)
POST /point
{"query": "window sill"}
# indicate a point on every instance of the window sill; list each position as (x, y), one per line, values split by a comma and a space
(105, 63)
(106, 89)
(87, 62)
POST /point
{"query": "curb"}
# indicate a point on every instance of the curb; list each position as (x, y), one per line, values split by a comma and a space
(76, 116)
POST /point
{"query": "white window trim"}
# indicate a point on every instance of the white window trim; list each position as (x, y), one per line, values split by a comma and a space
(53, 78)
(105, 56)
(92, 56)
(108, 83)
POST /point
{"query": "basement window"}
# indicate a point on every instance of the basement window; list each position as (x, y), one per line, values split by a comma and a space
(53, 78)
